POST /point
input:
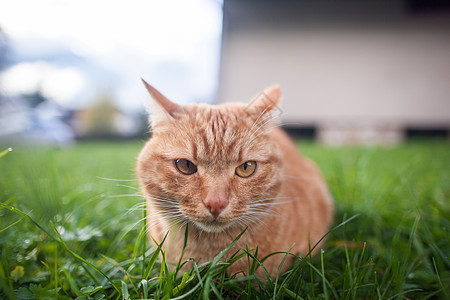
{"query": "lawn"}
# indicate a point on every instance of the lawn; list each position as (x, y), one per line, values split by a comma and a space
(70, 226)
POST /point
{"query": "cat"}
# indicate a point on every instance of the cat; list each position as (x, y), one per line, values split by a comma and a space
(225, 168)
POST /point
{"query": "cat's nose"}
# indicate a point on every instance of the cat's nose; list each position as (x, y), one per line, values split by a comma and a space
(215, 203)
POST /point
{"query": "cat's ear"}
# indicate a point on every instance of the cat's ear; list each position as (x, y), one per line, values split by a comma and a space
(266, 101)
(163, 108)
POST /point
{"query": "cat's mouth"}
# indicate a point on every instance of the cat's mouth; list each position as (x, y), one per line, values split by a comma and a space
(212, 226)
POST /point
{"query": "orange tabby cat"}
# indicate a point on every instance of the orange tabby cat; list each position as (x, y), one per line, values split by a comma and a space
(224, 168)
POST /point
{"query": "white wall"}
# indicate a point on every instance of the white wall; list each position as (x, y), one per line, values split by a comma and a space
(365, 78)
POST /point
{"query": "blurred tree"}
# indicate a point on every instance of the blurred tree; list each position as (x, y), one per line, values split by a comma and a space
(98, 120)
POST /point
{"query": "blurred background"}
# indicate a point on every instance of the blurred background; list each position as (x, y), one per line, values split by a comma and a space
(71, 69)
(352, 72)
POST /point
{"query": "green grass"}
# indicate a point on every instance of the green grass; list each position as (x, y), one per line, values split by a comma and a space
(68, 231)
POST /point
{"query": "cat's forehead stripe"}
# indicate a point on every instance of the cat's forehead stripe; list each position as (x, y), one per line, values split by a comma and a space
(221, 139)
(194, 150)
(208, 135)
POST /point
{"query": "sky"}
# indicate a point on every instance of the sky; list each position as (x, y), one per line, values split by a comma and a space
(74, 51)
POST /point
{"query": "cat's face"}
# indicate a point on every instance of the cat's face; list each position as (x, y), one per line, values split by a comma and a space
(215, 166)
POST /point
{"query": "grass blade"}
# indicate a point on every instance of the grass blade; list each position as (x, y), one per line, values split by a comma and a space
(7, 227)
(6, 151)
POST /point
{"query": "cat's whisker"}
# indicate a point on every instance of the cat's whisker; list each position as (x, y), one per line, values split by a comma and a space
(173, 221)
(170, 214)
(140, 204)
(256, 126)
(273, 198)
(263, 113)
(161, 201)
(254, 129)
(136, 223)
(113, 179)
(259, 126)
(178, 220)
(248, 220)
(259, 216)
(131, 210)
(265, 206)
(270, 203)
(263, 119)
(253, 136)
(136, 207)
(154, 222)
(148, 195)
(167, 214)
(268, 209)
(162, 208)
(124, 195)
(267, 120)
(266, 200)
(256, 122)
(239, 222)
(162, 205)
(130, 187)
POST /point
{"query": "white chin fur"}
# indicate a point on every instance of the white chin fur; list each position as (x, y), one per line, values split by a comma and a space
(211, 227)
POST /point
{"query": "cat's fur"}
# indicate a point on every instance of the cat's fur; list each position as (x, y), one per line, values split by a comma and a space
(284, 203)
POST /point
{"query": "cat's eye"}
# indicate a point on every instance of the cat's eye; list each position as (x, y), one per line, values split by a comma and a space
(246, 169)
(185, 166)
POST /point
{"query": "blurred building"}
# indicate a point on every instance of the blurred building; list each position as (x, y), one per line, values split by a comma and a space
(33, 120)
(351, 71)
